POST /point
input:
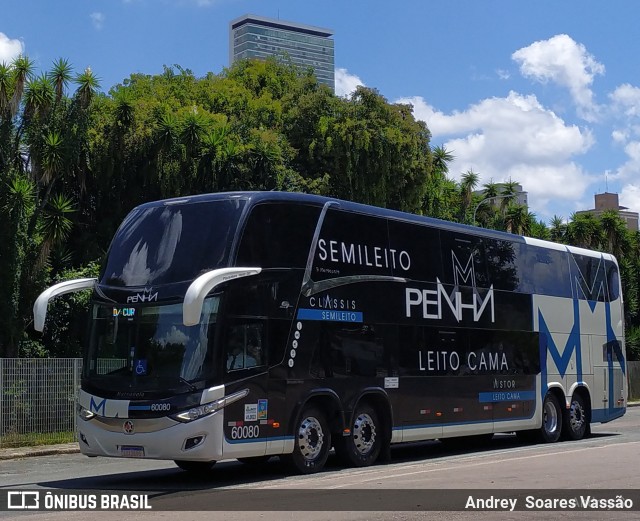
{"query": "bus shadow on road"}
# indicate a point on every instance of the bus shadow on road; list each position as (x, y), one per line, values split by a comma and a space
(233, 474)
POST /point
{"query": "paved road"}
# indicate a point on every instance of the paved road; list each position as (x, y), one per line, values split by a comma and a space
(610, 459)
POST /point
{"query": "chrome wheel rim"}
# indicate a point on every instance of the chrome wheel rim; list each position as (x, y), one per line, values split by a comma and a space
(550, 418)
(364, 434)
(576, 416)
(310, 438)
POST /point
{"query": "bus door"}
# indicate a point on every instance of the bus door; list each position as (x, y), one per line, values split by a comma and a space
(613, 391)
(245, 369)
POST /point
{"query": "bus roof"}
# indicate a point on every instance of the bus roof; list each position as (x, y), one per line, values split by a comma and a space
(256, 197)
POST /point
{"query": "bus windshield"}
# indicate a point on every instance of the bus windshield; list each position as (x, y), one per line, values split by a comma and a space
(172, 243)
(148, 349)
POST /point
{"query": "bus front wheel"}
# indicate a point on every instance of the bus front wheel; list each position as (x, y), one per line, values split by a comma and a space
(551, 419)
(362, 447)
(312, 442)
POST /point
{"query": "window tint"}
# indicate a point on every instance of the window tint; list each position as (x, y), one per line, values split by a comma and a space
(171, 243)
(543, 271)
(613, 280)
(588, 277)
(278, 235)
(350, 350)
(245, 345)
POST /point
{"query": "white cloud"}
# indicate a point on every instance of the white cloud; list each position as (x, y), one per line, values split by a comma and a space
(565, 62)
(626, 99)
(346, 83)
(631, 167)
(97, 19)
(630, 197)
(9, 49)
(513, 137)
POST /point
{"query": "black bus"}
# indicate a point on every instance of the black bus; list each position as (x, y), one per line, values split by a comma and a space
(247, 325)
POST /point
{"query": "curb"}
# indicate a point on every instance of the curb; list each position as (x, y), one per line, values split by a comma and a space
(29, 452)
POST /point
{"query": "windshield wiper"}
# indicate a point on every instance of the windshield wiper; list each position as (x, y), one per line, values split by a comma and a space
(192, 388)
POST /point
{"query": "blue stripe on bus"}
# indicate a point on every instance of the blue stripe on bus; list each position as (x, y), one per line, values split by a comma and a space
(329, 315)
(456, 424)
(506, 396)
(139, 407)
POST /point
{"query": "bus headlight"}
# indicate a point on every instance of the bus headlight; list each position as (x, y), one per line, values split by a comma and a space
(209, 408)
(85, 414)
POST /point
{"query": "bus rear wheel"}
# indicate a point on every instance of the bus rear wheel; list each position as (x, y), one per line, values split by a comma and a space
(551, 419)
(575, 419)
(362, 447)
(195, 467)
(312, 442)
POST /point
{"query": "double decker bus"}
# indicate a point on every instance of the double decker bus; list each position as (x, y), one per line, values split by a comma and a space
(248, 325)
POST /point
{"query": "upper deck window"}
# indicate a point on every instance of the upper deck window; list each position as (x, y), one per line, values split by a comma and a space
(172, 243)
(278, 235)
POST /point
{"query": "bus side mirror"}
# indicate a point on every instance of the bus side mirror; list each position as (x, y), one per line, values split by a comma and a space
(203, 285)
(68, 286)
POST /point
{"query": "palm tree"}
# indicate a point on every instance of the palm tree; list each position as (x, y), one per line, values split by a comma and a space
(22, 71)
(615, 232)
(584, 231)
(558, 229)
(435, 189)
(509, 194)
(468, 183)
(518, 219)
(88, 84)
(60, 75)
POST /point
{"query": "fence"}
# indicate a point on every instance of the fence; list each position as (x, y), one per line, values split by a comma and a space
(37, 400)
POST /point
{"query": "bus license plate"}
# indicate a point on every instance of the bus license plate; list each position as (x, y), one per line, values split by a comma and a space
(130, 451)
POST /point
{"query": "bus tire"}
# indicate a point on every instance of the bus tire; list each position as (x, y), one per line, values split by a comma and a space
(312, 442)
(195, 467)
(576, 419)
(362, 447)
(551, 428)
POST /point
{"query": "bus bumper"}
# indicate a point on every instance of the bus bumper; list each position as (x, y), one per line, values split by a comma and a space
(161, 438)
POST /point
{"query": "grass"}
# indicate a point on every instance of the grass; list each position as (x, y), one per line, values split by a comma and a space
(32, 439)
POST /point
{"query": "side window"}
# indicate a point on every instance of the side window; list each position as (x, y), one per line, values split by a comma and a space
(245, 346)
(344, 351)
(588, 277)
(613, 280)
(278, 235)
(543, 271)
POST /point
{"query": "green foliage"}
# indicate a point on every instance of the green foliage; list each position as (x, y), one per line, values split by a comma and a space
(68, 315)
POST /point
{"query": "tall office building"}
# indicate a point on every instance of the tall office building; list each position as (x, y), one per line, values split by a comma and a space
(252, 36)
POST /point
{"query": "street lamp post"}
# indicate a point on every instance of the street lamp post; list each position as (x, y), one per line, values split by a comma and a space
(495, 197)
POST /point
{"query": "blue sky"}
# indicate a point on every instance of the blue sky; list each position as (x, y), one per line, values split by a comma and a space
(546, 93)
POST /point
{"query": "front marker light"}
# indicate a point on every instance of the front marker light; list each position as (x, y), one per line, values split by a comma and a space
(209, 408)
(85, 414)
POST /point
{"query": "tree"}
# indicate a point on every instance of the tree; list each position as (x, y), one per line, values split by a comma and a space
(468, 183)
(43, 160)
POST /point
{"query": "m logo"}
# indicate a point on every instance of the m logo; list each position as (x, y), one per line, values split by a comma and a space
(466, 275)
(97, 407)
